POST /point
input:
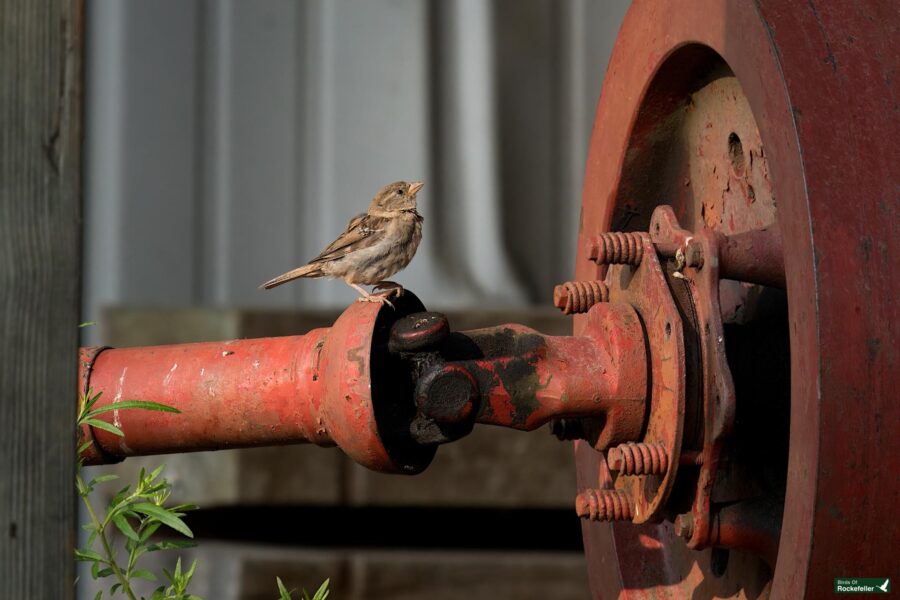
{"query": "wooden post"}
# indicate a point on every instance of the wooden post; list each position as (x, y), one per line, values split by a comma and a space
(40, 279)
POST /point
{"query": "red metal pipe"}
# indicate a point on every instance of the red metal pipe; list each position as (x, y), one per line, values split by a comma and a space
(363, 384)
(285, 390)
(231, 394)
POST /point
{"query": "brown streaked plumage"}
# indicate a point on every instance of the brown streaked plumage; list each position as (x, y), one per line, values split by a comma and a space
(374, 246)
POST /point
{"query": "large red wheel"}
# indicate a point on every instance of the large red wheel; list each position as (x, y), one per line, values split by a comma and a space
(744, 115)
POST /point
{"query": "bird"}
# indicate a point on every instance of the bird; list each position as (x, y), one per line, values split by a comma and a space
(374, 246)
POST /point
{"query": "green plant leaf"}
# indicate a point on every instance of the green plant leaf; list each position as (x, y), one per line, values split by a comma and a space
(144, 574)
(284, 594)
(170, 545)
(86, 324)
(86, 404)
(164, 516)
(99, 595)
(322, 592)
(86, 554)
(105, 426)
(102, 479)
(155, 489)
(124, 404)
(149, 530)
(150, 478)
(125, 527)
(119, 496)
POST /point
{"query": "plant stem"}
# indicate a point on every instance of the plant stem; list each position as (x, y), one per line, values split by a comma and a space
(101, 533)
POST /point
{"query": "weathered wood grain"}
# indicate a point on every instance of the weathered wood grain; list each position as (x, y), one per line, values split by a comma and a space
(40, 278)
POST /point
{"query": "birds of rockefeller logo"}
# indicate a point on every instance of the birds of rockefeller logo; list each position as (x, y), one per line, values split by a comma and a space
(862, 585)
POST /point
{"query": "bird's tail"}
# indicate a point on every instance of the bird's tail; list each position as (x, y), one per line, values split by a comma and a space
(311, 270)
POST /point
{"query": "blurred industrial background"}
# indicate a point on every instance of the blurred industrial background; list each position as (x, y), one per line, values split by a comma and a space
(229, 141)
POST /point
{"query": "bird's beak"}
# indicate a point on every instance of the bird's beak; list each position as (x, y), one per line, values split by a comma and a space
(414, 187)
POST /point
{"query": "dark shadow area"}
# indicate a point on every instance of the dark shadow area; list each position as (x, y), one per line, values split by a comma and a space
(426, 528)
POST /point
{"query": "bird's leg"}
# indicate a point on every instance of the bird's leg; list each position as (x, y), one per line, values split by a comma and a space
(367, 297)
(387, 288)
(362, 291)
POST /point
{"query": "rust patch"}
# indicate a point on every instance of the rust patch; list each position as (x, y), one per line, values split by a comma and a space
(517, 375)
(726, 161)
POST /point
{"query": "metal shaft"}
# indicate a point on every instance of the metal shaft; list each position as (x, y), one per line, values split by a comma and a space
(270, 391)
(386, 395)
(230, 394)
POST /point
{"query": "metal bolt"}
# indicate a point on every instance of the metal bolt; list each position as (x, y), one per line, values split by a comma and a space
(638, 459)
(616, 247)
(693, 254)
(419, 331)
(604, 505)
(448, 395)
(684, 525)
(579, 296)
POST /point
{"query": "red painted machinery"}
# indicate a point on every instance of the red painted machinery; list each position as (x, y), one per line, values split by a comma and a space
(728, 383)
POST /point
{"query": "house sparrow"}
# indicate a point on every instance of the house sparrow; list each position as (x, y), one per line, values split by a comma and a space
(374, 246)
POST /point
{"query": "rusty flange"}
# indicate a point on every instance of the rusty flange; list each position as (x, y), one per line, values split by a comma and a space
(717, 390)
(644, 287)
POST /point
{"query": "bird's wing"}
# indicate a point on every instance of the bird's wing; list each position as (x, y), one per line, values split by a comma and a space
(361, 232)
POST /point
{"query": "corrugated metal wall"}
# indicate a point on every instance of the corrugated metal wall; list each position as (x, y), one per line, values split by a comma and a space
(228, 141)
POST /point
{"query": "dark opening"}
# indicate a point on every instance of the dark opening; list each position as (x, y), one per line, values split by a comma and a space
(736, 152)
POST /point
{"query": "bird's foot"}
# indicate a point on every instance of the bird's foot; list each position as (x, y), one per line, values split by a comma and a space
(388, 289)
(376, 298)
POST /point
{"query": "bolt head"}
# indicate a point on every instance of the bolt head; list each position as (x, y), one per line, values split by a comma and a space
(614, 459)
(448, 395)
(560, 297)
(419, 331)
(693, 254)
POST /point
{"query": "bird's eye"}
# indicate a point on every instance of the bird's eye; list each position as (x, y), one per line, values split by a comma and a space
(399, 192)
